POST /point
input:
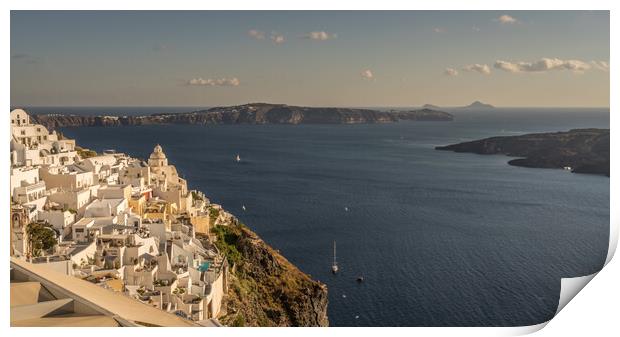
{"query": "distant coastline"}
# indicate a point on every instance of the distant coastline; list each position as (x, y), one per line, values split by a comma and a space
(256, 113)
(577, 150)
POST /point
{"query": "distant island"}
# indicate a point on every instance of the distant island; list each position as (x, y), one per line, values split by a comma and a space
(474, 105)
(578, 150)
(479, 105)
(255, 113)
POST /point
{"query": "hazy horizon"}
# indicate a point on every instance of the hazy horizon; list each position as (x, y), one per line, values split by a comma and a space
(310, 58)
(317, 106)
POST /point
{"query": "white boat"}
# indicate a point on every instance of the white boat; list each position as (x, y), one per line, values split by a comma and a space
(238, 159)
(243, 207)
(568, 168)
(335, 264)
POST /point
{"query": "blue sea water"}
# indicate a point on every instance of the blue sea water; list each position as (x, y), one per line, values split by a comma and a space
(441, 238)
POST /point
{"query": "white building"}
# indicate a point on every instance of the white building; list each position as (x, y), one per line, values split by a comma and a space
(74, 200)
(67, 178)
(167, 183)
(33, 144)
(59, 219)
(105, 207)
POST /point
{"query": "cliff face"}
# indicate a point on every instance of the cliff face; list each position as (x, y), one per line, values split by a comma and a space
(265, 289)
(584, 150)
(53, 122)
(257, 113)
(425, 115)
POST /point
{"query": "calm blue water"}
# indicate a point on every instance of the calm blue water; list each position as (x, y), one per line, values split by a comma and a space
(441, 238)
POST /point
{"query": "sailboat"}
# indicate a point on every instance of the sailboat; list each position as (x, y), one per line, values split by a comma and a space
(238, 159)
(335, 264)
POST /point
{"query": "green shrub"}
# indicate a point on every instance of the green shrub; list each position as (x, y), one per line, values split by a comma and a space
(214, 213)
(227, 243)
(40, 237)
(195, 196)
(239, 321)
(86, 153)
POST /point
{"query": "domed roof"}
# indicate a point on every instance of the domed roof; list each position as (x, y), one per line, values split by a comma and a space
(158, 153)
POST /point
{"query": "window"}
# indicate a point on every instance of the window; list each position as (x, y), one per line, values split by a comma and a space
(38, 129)
(23, 132)
(79, 230)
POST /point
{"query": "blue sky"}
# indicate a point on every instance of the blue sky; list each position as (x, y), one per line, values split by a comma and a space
(317, 58)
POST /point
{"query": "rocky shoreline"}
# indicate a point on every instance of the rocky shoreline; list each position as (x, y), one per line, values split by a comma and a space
(256, 113)
(579, 150)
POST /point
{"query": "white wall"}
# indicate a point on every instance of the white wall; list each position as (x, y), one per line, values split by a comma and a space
(58, 219)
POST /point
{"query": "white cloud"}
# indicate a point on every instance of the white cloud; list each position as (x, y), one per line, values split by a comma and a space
(600, 65)
(277, 38)
(319, 36)
(260, 35)
(257, 34)
(450, 72)
(214, 82)
(367, 74)
(544, 64)
(161, 47)
(506, 20)
(475, 29)
(481, 68)
(438, 30)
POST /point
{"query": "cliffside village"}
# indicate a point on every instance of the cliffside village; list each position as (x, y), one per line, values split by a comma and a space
(126, 225)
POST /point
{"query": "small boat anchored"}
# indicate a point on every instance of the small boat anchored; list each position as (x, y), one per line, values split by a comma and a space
(238, 158)
(335, 264)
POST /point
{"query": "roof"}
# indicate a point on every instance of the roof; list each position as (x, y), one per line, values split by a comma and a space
(84, 222)
(98, 203)
(113, 303)
(102, 160)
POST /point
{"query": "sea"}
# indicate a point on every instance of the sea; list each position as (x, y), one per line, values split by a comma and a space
(440, 238)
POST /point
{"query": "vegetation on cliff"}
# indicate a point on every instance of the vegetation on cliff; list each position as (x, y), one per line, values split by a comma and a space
(85, 153)
(424, 115)
(265, 289)
(583, 150)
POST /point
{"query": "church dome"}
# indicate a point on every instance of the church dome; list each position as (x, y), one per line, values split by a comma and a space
(158, 153)
(158, 157)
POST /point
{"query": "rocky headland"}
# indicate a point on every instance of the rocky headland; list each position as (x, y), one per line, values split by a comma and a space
(581, 150)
